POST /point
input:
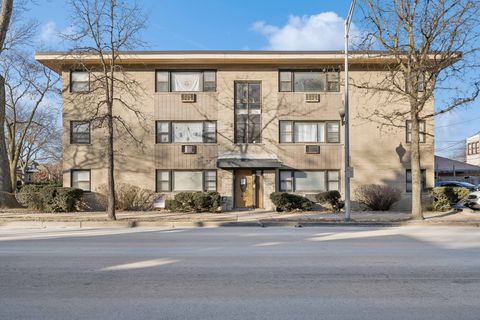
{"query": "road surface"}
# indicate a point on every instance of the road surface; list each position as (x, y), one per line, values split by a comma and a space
(241, 273)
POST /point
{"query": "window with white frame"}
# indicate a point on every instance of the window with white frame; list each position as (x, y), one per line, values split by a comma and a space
(79, 81)
(309, 81)
(80, 179)
(309, 181)
(186, 81)
(80, 132)
(186, 132)
(179, 180)
(421, 129)
(309, 131)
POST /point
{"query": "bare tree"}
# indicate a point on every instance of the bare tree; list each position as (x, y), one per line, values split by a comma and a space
(429, 47)
(104, 28)
(27, 84)
(5, 16)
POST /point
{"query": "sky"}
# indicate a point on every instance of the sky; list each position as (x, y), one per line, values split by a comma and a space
(251, 25)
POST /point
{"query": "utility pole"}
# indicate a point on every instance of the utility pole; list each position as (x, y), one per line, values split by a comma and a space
(348, 169)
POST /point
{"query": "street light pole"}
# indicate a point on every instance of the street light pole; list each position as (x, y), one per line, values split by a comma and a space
(348, 171)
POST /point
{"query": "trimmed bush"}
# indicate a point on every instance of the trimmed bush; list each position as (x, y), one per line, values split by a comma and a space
(377, 197)
(50, 198)
(284, 201)
(195, 202)
(331, 198)
(444, 198)
(129, 197)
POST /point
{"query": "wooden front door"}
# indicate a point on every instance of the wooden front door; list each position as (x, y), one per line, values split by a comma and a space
(244, 190)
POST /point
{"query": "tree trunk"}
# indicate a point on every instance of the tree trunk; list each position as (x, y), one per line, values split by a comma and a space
(5, 184)
(417, 213)
(111, 168)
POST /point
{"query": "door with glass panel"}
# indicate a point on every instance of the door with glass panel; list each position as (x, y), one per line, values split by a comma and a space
(248, 112)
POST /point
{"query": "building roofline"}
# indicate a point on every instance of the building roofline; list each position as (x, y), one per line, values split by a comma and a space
(58, 60)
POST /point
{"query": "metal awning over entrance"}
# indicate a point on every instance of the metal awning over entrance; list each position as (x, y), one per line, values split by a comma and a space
(237, 160)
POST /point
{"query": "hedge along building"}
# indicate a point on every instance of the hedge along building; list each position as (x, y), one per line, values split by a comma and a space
(245, 124)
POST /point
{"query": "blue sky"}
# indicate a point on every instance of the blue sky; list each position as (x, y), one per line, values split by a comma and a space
(250, 25)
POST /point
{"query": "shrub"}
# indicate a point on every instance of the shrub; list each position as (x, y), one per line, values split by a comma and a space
(129, 197)
(194, 202)
(377, 197)
(332, 198)
(51, 198)
(284, 201)
(444, 198)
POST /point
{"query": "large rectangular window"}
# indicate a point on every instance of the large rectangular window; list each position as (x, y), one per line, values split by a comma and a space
(186, 81)
(248, 112)
(421, 127)
(80, 179)
(80, 132)
(309, 131)
(408, 178)
(186, 132)
(179, 181)
(309, 81)
(79, 81)
(309, 181)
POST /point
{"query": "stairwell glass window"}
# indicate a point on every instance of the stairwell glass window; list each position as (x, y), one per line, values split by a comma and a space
(309, 81)
(80, 179)
(421, 127)
(80, 132)
(79, 81)
(248, 112)
(186, 81)
(309, 131)
(186, 132)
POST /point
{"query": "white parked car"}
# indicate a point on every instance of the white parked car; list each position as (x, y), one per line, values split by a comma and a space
(473, 200)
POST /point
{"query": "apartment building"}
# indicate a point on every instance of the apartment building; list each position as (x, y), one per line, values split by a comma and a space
(244, 124)
(473, 149)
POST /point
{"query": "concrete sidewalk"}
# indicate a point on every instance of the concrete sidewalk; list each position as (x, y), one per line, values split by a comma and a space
(24, 218)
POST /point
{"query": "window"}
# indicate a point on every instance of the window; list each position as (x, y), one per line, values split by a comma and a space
(186, 132)
(421, 127)
(79, 81)
(80, 132)
(333, 180)
(309, 81)
(186, 81)
(409, 180)
(309, 181)
(210, 180)
(177, 181)
(309, 131)
(80, 179)
(163, 180)
(248, 112)
(333, 132)
(286, 181)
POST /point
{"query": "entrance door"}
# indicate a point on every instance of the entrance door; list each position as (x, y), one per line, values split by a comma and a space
(244, 180)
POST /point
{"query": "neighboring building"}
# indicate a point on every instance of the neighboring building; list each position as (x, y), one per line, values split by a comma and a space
(453, 170)
(473, 149)
(243, 123)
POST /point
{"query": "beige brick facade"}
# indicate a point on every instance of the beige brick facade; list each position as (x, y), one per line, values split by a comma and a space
(375, 150)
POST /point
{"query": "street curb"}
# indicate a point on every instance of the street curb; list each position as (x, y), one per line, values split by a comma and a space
(217, 224)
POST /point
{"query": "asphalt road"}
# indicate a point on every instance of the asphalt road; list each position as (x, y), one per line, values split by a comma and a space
(241, 273)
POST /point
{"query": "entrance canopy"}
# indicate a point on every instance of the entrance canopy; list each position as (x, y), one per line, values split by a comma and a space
(245, 160)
